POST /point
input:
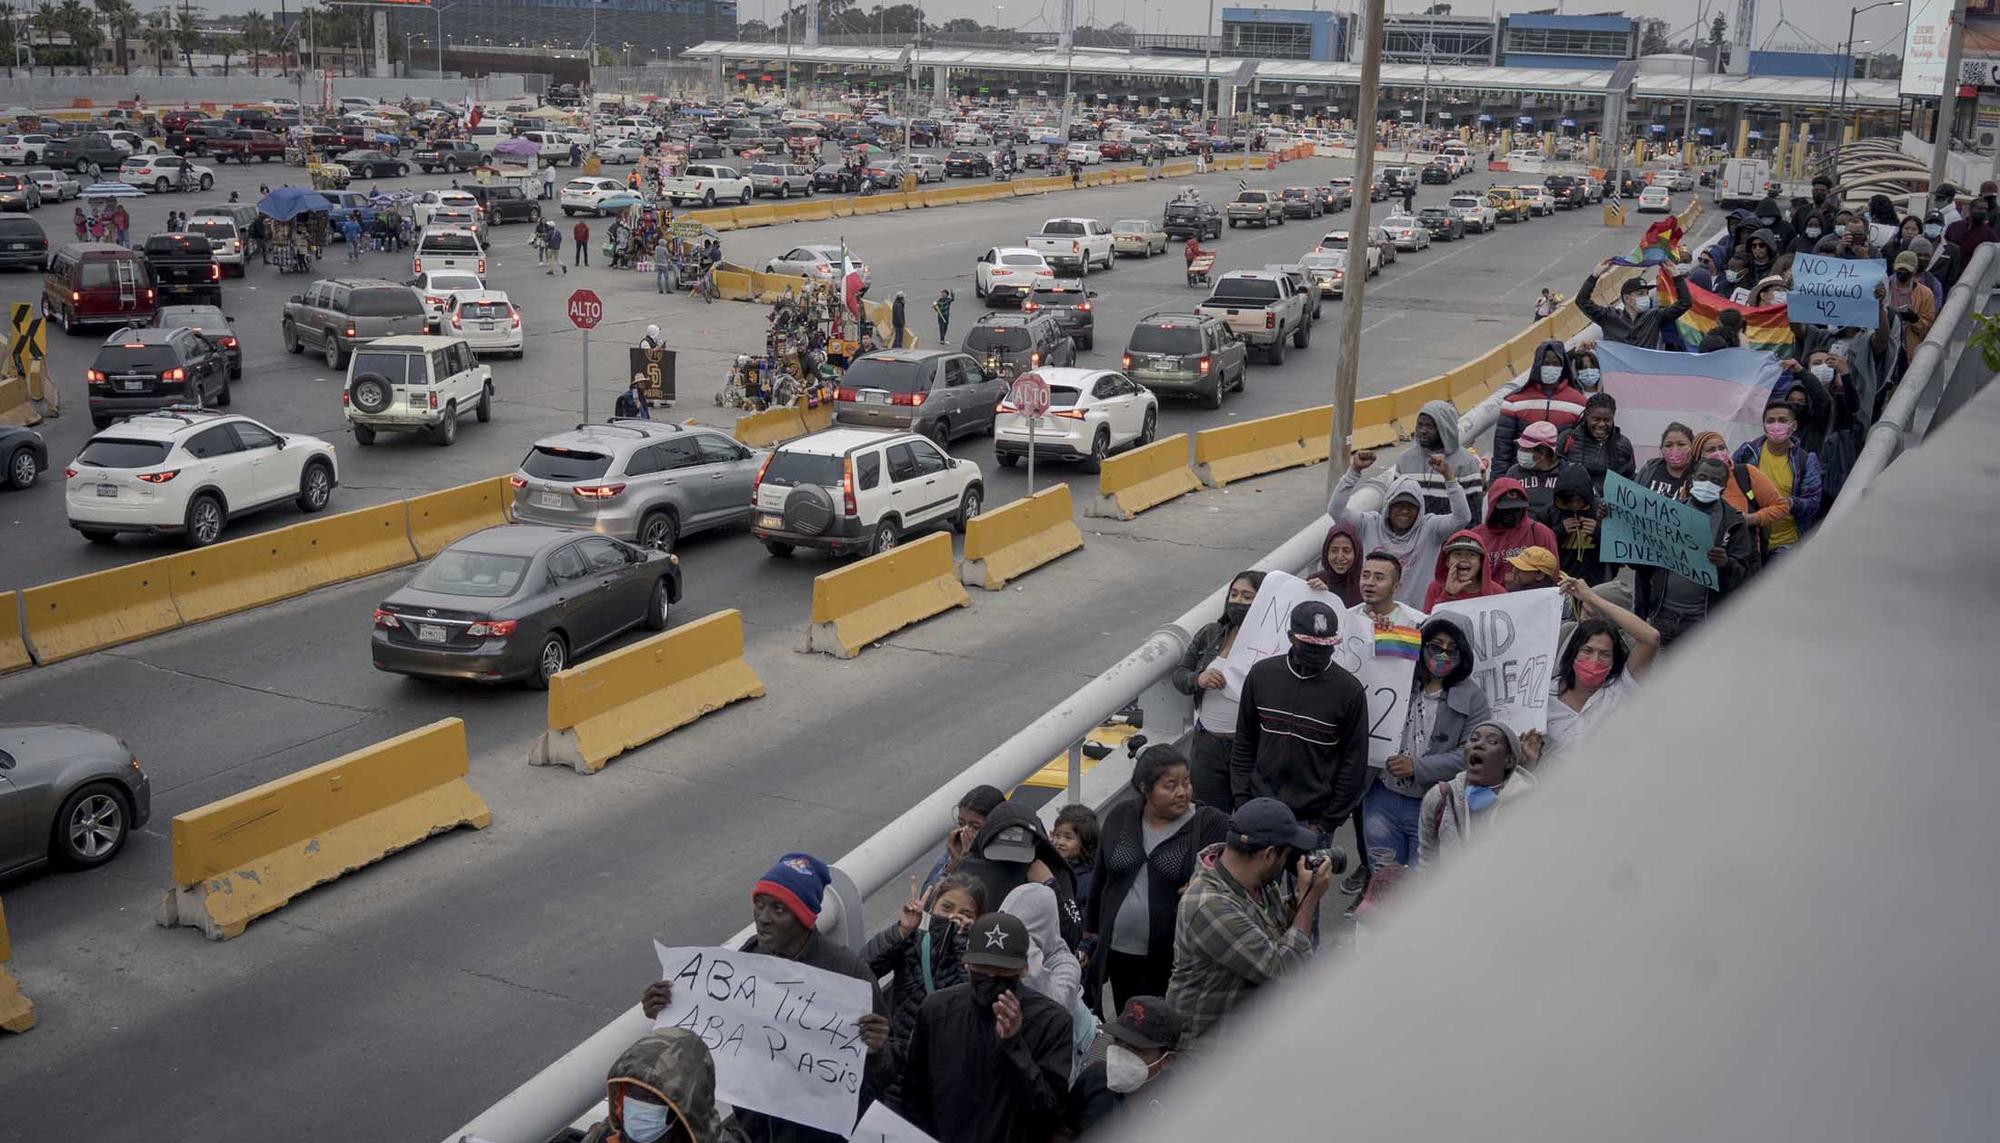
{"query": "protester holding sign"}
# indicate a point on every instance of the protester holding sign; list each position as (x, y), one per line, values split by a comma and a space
(664, 1082)
(1216, 685)
(1302, 736)
(1673, 602)
(1470, 802)
(1403, 528)
(1444, 705)
(1601, 663)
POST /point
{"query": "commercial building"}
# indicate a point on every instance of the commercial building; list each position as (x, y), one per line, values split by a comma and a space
(1463, 41)
(1533, 39)
(1284, 34)
(638, 29)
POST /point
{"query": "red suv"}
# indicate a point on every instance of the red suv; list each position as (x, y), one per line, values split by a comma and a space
(96, 283)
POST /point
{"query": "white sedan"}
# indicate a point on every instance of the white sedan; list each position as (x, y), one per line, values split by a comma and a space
(590, 194)
(821, 263)
(429, 201)
(1085, 153)
(621, 150)
(1407, 232)
(1656, 199)
(487, 321)
(1092, 413)
(56, 186)
(1009, 272)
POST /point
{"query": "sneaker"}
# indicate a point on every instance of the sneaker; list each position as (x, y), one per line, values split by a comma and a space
(1356, 881)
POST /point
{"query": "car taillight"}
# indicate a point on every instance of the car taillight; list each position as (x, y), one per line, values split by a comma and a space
(482, 267)
(1270, 320)
(455, 322)
(214, 272)
(69, 474)
(434, 398)
(229, 343)
(847, 487)
(493, 627)
(350, 331)
(517, 482)
(1085, 307)
(433, 301)
(159, 477)
(516, 316)
(75, 296)
(1205, 363)
(1029, 307)
(1035, 359)
(599, 491)
(416, 265)
(385, 619)
(910, 399)
(1124, 361)
(843, 394)
(94, 376)
(757, 483)
(174, 374)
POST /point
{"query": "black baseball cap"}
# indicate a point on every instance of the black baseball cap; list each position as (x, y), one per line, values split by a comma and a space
(997, 940)
(1315, 622)
(1261, 823)
(1634, 286)
(1015, 843)
(1147, 1022)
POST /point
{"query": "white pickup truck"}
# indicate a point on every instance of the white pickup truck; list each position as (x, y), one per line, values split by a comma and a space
(1262, 307)
(707, 184)
(1073, 244)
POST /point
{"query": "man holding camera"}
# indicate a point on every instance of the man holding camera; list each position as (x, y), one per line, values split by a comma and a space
(1237, 927)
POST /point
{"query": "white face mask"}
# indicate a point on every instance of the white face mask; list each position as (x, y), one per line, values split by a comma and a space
(1642, 302)
(1704, 491)
(1823, 371)
(1775, 297)
(1551, 374)
(644, 1122)
(1124, 1071)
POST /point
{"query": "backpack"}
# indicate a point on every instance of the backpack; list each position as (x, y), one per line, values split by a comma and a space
(1757, 553)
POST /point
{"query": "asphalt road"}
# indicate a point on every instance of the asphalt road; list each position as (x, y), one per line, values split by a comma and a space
(403, 998)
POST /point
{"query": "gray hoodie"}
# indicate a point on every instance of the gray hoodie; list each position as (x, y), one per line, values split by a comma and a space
(1416, 461)
(1416, 549)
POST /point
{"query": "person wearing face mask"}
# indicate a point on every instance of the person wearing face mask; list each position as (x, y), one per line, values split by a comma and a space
(1139, 1049)
(1945, 259)
(1237, 927)
(1809, 225)
(1435, 437)
(1462, 571)
(1927, 275)
(1053, 969)
(968, 819)
(1339, 567)
(1735, 283)
(1673, 603)
(1909, 228)
(1746, 489)
(1912, 303)
(1585, 368)
(1762, 251)
(1635, 320)
(1215, 693)
(1471, 801)
(1669, 472)
(1539, 465)
(1445, 704)
(1014, 849)
(784, 914)
(989, 1060)
(1402, 528)
(1578, 514)
(922, 948)
(1603, 658)
(1302, 732)
(1549, 396)
(1944, 203)
(1144, 859)
(1793, 471)
(1509, 528)
(662, 1090)
(1972, 231)
(1596, 444)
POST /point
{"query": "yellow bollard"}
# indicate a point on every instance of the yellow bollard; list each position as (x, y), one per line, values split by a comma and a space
(1742, 137)
(1783, 153)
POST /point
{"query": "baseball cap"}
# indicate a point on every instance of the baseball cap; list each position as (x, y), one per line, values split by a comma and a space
(1466, 544)
(1315, 622)
(1147, 1022)
(1541, 434)
(1634, 286)
(1015, 843)
(997, 940)
(1906, 261)
(1264, 822)
(1536, 559)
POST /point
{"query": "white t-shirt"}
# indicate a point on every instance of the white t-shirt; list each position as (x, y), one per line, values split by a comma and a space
(1568, 727)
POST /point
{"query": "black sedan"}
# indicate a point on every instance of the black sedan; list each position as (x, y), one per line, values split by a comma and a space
(1301, 202)
(522, 601)
(372, 164)
(1436, 174)
(836, 178)
(1332, 201)
(211, 323)
(25, 453)
(968, 164)
(1443, 224)
(68, 794)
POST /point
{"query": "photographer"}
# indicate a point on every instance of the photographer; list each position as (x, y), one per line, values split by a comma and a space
(1238, 928)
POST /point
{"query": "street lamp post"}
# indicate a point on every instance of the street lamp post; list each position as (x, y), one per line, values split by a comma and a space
(1694, 54)
(1847, 58)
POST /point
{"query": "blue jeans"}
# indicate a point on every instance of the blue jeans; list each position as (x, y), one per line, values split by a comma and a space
(1389, 821)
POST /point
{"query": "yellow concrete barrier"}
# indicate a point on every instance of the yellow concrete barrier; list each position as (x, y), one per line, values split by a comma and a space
(747, 216)
(13, 648)
(1003, 543)
(1131, 482)
(358, 543)
(15, 408)
(736, 285)
(72, 616)
(770, 427)
(1315, 430)
(873, 204)
(812, 211)
(1246, 449)
(440, 518)
(870, 598)
(237, 575)
(1374, 426)
(247, 855)
(842, 207)
(1480, 376)
(601, 708)
(17, 1014)
(815, 419)
(1408, 401)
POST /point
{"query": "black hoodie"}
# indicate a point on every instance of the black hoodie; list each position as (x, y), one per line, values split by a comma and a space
(1577, 553)
(1003, 877)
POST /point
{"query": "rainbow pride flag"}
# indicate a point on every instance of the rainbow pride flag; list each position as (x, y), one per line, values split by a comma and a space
(1661, 243)
(1765, 328)
(1397, 642)
(1724, 391)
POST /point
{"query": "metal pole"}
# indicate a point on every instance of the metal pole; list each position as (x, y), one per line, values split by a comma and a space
(1687, 118)
(439, 12)
(1208, 60)
(586, 376)
(1948, 100)
(1032, 420)
(1347, 369)
(1832, 77)
(1847, 62)
(1075, 792)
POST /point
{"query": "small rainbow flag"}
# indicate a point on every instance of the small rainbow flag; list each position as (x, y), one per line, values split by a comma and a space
(1764, 327)
(1660, 245)
(1397, 642)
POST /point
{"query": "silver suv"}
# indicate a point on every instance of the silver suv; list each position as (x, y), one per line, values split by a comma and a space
(780, 180)
(650, 482)
(938, 393)
(335, 315)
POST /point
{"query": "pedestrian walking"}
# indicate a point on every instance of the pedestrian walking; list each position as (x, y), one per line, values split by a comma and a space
(897, 314)
(350, 230)
(942, 308)
(663, 265)
(82, 225)
(548, 183)
(582, 236)
(555, 250)
(539, 239)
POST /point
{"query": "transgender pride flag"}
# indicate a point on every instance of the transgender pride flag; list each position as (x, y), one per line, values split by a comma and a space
(1724, 391)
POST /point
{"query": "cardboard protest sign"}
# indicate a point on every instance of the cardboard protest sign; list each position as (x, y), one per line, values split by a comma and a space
(1833, 291)
(1643, 527)
(784, 1034)
(1267, 630)
(880, 1125)
(1514, 637)
(1385, 662)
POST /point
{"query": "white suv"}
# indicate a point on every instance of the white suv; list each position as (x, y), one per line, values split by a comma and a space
(415, 384)
(186, 472)
(590, 194)
(23, 148)
(860, 491)
(163, 173)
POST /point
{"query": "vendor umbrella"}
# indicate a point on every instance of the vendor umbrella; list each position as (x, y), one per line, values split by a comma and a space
(113, 190)
(620, 202)
(287, 203)
(522, 148)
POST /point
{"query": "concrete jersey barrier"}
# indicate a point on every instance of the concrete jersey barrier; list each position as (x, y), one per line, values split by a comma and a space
(602, 708)
(439, 519)
(237, 859)
(73, 616)
(17, 1013)
(1247, 448)
(858, 604)
(1142, 478)
(13, 646)
(1004, 543)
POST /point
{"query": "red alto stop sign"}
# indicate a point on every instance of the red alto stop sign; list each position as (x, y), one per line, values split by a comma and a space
(586, 309)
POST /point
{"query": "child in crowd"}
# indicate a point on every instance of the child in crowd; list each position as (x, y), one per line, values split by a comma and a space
(1075, 837)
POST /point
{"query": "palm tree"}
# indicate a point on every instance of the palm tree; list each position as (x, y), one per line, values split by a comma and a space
(122, 19)
(80, 23)
(48, 21)
(7, 41)
(158, 36)
(225, 46)
(256, 36)
(187, 36)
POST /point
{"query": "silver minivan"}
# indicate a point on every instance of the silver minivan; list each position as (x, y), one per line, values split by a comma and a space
(938, 393)
(650, 482)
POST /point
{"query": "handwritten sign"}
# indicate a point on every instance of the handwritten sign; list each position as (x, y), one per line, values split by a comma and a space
(880, 1125)
(1643, 527)
(784, 1034)
(1514, 639)
(1833, 291)
(1387, 679)
(1267, 630)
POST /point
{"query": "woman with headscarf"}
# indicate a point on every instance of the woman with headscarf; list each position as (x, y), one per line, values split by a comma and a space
(1215, 692)
(1145, 857)
(1471, 801)
(1339, 567)
(1053, 970)
(1445, 704)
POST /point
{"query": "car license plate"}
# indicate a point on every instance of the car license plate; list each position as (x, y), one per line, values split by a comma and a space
(874, 398)
(769, 520)
(431, 633)
(486, 326)
(108, 491)
(131, 386)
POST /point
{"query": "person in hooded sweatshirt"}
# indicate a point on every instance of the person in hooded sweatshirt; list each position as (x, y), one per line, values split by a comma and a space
(1461, 572)
(922, 948)
(1763, 250)
(1445, 704)
(1793, 471)
(1053, 969)
(1012, 850)
(1402, 528)
(1596, 444)
(1636, 319)
(1747, 489)
(1540, 463)
(1672, 603)
(1579, 512)
(1472, 801)
(1509, 529)
(1436, 435)
(664, 1083)
(1549, 395)
(1302, 733)
(1339, 567)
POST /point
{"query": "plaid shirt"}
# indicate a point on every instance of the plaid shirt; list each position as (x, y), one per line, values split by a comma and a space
(1227, 943)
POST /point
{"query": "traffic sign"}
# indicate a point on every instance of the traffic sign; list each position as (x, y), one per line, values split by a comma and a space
(585, 309)
(1030, 394)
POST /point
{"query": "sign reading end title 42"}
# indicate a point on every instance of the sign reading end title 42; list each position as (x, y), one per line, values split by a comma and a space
(1833, 291)
(1643, 527)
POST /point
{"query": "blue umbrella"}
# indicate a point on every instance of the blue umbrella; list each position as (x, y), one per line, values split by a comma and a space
(287, 203)
(620, 202)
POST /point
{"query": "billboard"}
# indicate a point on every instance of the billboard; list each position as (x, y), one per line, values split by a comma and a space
(1924, 46)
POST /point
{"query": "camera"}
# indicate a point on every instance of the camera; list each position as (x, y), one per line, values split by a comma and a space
(1332, 859)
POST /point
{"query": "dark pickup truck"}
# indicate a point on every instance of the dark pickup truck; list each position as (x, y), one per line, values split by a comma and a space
(450, 155)
(87, 154)
(184, 270)
(244, 146)
(197, 137)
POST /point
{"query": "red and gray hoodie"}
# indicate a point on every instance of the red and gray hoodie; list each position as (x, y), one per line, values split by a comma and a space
(1560, 404)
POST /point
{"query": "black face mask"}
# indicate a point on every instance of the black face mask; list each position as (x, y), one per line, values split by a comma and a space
(1234, 613)
(1508, 517)
(988, 990)
(1904, 275)
(1311, 658)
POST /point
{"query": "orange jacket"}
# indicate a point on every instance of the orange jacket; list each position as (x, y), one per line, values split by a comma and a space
(1771, 506)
